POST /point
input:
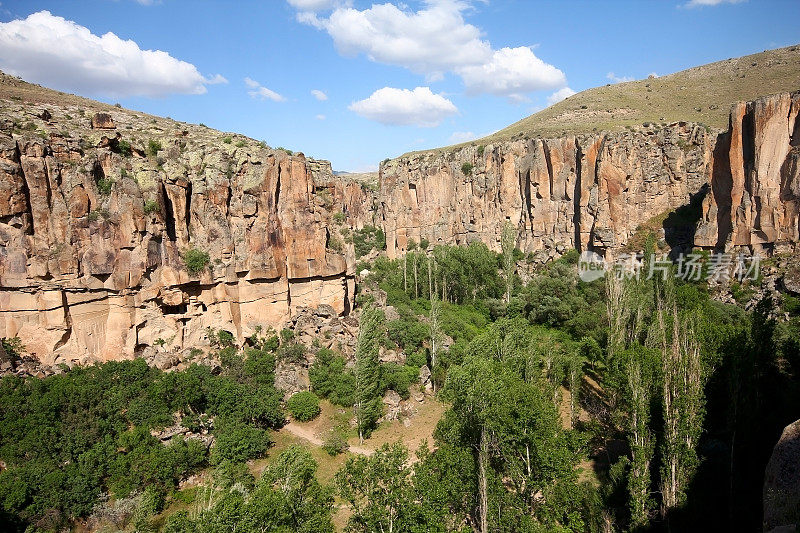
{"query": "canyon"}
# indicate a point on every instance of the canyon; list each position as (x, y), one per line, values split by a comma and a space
(99, 207)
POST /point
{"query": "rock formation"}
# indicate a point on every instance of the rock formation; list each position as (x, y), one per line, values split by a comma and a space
(782, 483)
(595, 191)
(97, 215)
(93, 235)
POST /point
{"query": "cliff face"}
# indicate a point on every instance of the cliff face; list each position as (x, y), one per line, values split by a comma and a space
(97, 213)
(755, 188)
(594, 191)
(93, 241)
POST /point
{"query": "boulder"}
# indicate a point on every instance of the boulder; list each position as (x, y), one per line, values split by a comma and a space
(392, 402)
(425, 378)
(782, 482)
(102, 121)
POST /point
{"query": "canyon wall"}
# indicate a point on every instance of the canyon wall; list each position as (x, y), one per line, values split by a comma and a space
(93, 241)
(732, 188)
(97, 216)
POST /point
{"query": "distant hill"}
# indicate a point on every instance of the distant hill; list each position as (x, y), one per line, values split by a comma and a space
(701, 94)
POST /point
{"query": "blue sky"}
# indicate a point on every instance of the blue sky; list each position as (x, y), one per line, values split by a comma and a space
(394, 78)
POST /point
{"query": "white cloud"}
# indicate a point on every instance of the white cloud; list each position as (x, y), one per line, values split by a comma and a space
(319, 95)
(618, 79)
(259, 91)
(313, 5)
(559, 95)
(60, 53)
(462, 137)
(404, 107)
(433, 41)
(512, 72)
(700, 3)
(320, 117)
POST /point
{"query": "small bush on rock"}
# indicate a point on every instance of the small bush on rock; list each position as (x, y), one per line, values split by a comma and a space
(196, 260)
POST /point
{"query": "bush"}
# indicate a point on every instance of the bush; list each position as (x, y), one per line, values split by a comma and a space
(330, 379)
(466, 169)
(153, 147)
(407, 332)
(150, 206)
(367, 239)
(13, 346)
(398, 378)
(124, 148)
(335, 443)
(291, 352)
(196, 260)
(227, 140)
(104, 186)
(304, 406)
(240, 144)
(239, 442)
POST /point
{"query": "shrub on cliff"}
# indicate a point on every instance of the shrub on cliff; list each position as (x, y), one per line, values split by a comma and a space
(153, 147)
(466, 169)
(304, 406)
(196, 260)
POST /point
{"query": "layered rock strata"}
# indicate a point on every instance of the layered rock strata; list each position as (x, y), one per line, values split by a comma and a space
(737, 188)
(94, 235)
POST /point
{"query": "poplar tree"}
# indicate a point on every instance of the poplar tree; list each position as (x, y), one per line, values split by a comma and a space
(507, 244)
(367, 373)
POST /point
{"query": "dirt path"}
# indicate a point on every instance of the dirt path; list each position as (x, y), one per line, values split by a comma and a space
(307, 434)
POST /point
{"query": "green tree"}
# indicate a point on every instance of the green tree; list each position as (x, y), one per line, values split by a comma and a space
(508, 241)
(379, 491)
(367, 373)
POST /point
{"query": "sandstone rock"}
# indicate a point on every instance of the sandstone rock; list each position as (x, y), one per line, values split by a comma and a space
(782, 482)
(102, 121)
(425, 378)
(390, 356)
(291, 379)
(791, 279)
(392, 402)
(416, 393)
(391, 313)
(596, 190)
(100, 275)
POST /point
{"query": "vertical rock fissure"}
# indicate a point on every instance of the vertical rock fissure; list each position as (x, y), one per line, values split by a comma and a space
(188, 213)
(576, 196)
(169, 215)
(67, 322)
(26, 192)
(278, 189)
(549, 164)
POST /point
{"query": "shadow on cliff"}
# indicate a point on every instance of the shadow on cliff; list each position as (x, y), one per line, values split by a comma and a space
(680, 225)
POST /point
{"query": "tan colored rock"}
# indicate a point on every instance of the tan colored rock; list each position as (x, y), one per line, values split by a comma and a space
(86, 275)
(595, 191)
(102, 121)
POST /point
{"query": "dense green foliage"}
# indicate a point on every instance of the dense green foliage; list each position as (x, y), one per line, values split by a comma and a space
(367, 239)
(68, 438)
(286, 498)
(571, 406)
(303, 406)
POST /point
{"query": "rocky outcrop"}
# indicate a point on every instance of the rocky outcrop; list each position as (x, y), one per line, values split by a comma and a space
(95, 225)
(595, 191)
(782, 483)
(93, 237)
(755, 200)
